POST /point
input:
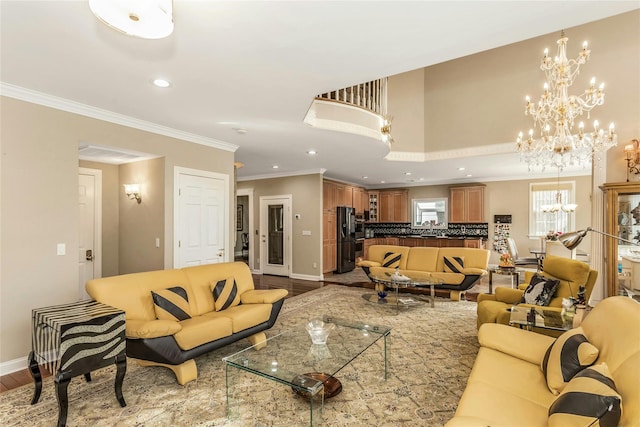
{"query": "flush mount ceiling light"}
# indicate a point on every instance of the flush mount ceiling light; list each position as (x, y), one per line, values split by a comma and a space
(147, 19)
(161, 83)
(555, 113)
(312, 152)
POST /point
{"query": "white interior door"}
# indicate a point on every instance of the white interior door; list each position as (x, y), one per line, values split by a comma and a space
(201, 222)
(90, 227)
(275, 235)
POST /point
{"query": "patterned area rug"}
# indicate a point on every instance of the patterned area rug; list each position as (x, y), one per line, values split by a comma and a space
(431, 352)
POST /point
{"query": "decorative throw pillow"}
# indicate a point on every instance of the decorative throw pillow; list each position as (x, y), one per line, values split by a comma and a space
(225, 293)
(590, 399)
(569, 354)
(540, 290)
(453, 264)
(391, 260)
(171, 304)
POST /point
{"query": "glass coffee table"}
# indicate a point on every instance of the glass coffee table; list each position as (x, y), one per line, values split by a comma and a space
(404, 300)
(291, 359)
(545, 319)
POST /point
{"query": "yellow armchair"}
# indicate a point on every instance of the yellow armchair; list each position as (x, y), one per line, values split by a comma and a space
(492, 308)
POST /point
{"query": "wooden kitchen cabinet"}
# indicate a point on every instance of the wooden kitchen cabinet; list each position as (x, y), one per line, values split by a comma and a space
(466, 204)
(393, 206)
(360, 200)
(329, 238)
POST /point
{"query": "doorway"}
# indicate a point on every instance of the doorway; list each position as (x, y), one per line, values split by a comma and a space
(275, 235)
(89, 228)
(201, 206)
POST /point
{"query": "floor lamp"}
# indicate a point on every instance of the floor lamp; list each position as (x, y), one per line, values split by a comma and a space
(573, 239)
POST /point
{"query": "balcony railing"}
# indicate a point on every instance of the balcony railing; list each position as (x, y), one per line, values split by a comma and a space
(370, 95)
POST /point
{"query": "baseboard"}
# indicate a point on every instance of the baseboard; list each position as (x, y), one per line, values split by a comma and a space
(14, 365)
(305, 277)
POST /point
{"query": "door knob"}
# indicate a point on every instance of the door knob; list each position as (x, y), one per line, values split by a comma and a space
(89, 255)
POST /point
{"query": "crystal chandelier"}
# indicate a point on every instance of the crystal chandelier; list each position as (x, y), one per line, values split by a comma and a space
(555, 113)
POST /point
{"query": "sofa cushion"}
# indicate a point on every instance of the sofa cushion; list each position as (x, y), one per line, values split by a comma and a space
(225, 293)
(540, 290)
(171, 303)
(201, 330)
(453, 264)
(590, 399)
(569, 354)
(391, 260)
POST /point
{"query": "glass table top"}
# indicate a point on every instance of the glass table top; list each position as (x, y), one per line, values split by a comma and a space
(548, 319)
(291, 354)
(413, 280)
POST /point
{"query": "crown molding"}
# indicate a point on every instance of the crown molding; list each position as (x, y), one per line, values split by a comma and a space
(35, 97)
(485, 150)
(320, 171)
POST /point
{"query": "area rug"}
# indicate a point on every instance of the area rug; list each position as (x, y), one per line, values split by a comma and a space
(430, 352)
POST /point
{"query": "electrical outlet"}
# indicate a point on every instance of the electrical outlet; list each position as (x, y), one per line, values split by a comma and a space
(315, 265)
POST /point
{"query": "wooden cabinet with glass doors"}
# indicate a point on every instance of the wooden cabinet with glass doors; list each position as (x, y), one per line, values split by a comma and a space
(622, 218)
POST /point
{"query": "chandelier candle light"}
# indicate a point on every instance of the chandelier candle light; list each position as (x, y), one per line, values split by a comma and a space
(555, 113)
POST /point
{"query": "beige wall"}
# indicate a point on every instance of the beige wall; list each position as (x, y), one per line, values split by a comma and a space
(39, 199)
(479, 99)
(141, 224)
(306, 191)
(512, 198)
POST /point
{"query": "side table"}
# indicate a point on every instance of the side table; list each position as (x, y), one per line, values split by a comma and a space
(75, 339)
(506, 271)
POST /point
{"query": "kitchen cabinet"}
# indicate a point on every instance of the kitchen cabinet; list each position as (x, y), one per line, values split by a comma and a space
(373, 205)
(393, 206)
(466, 203)
(360, 200)
(329, 237)
(474, 243)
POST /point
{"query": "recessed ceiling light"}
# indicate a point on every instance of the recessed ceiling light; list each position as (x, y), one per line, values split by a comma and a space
(381, 182)
(161, 83)
(240, 131)
(460, 169)
(407, 173)
(365, 177)
(312, 152)
(469, 175)
(275, 166)
(227, 123)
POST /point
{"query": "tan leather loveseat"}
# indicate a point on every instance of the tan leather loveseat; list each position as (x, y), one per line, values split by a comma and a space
(430, 262)
(507, 386)
(492, 308)
(163, 328)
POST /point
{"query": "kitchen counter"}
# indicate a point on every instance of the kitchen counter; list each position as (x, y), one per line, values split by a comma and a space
(427, 241)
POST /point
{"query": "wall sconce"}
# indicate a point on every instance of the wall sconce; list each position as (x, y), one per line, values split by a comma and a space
(133, 192)
(632, 155)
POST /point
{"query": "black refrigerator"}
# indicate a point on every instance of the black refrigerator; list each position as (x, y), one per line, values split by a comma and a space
(346, 242)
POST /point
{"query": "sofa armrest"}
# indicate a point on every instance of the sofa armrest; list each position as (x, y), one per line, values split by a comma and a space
(473, 271)
(366, 263)
(524, 345)
(151, 328)
(263, 296)
(486, 297)
(508, 295)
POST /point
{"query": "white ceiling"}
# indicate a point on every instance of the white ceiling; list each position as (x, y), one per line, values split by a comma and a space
(257, 66)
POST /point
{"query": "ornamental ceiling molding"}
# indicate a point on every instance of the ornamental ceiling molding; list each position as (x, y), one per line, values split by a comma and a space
(485, 150)
(320, 171)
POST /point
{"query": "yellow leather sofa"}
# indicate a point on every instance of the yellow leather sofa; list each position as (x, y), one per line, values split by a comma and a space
(492, 308)
(430, 262)
(157, 338)
(507, 386)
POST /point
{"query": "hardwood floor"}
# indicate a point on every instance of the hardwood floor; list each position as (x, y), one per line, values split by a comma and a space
(294, 286)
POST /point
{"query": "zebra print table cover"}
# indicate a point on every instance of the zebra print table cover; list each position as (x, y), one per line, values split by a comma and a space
(77, 337)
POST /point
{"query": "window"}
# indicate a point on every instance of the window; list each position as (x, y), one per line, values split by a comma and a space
(546, 193)
(429, 213)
